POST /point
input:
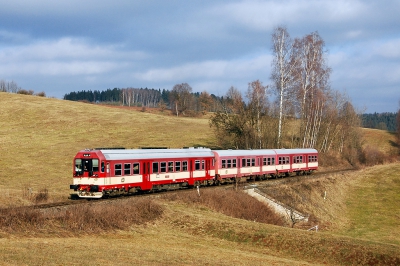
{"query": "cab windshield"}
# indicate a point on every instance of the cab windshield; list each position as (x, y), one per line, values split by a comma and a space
(86, 165)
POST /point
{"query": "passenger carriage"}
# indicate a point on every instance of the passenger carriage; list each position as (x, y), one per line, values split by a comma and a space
(118, 171)
(237, 164)
(297, 161)
(109, 172)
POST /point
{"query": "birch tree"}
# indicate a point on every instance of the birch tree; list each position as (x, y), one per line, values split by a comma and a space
(311, 85)
(257, 95)
(283, 67)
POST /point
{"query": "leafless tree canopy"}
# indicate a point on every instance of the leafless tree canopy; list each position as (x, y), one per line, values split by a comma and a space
(307, 113)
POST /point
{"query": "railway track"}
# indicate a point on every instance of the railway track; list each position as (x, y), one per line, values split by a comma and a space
(272, 181)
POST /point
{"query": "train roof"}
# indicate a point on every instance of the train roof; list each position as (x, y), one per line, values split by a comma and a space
(156, 153)
(244, 152)
(295, 151)
(264, 152)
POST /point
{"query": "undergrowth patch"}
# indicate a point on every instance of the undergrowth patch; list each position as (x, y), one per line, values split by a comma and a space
(230, 202)
(80, 219)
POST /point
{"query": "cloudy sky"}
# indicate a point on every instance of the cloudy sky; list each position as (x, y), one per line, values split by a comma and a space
(63, 46)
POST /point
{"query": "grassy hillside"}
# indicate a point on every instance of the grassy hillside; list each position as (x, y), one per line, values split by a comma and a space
(190, 233)
(380, 139)
(40, 136)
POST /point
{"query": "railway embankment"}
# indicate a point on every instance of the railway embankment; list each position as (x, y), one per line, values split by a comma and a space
(289, 213)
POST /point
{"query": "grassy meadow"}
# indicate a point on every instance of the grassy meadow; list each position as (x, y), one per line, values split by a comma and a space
(40, 136)
(358, 219)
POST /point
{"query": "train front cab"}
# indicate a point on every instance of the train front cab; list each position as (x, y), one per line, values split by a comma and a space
(89, 170)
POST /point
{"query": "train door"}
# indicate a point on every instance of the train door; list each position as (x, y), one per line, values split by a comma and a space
(208, 162)
(107, 179)
(190, 167)
(87, 167)
(146, 175)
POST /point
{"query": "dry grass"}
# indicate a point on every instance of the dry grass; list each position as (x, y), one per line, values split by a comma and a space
(40, 136)
(382, 140)
(321, 198)
(189, 235)
(362, 204)
(373, 205)
(230, 202)
(80, 219)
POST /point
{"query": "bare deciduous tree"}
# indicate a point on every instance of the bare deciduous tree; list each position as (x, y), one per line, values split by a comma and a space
(283, 67)
(181, 97)
(257, 107)
(205, 101)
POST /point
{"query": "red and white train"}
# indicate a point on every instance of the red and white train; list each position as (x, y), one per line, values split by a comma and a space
(109, 172)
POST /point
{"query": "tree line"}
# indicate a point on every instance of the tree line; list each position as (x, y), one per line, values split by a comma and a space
(12, 87)
(384, 121)
(298, 109)
(305, 112)
(181, 100)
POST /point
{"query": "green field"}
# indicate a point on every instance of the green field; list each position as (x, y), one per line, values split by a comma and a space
(39, 137)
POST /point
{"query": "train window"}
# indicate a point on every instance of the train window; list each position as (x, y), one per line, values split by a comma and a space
(271, 161)
(127, 169)
(184, 166)
(95, 165)
(197, 165)
(234, 163)
(170, 167)
(203, 165)
(223, 164)
(253, 162)
(163, 167)
(136, 168)
(78, 165)
(118, 169)
(284, 160)
(229, 164)
(177, 166)
(248, 162)
(155, 167)
(102, 167)
(265, 161)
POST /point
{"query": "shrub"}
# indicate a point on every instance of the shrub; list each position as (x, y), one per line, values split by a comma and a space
(236, 204)
(42, 196)
(41, 94)
(372, 156)
(81, 219)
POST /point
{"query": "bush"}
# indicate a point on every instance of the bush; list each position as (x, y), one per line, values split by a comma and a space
(42, 196)
(41, 94)
(25, 92)
(236, 204)
(372, 156)
(81, 219)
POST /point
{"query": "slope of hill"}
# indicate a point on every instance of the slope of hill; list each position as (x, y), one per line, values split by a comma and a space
(40, 136)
